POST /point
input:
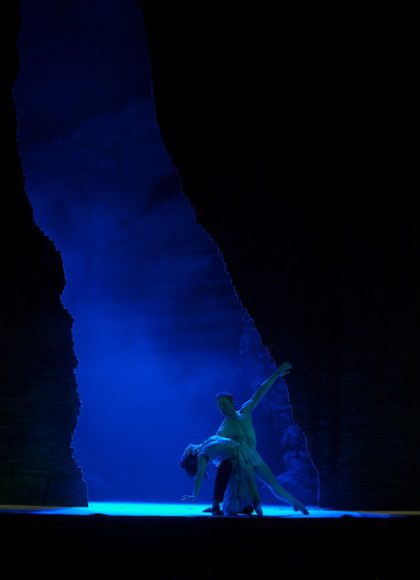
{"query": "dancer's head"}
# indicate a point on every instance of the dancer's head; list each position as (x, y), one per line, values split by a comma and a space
(225, 403)
(189, 459)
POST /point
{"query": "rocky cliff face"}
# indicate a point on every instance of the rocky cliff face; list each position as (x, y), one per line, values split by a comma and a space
(296, 142)
(39, 402)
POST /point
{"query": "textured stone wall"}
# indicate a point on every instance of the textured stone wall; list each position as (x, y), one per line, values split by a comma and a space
(39, 403)
(296, 141)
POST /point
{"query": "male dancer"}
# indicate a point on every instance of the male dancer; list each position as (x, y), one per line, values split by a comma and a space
(238, 425)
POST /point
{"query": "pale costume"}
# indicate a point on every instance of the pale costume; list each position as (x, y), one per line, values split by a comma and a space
(238, 493)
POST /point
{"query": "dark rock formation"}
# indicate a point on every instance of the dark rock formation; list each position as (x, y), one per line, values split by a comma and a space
(39, 402)
(296, 138)
(280, 439)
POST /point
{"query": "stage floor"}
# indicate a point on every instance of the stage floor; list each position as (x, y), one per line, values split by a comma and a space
(178, 541)
(192, 510)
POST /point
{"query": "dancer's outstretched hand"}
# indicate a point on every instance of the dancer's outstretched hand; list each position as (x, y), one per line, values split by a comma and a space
(188, 498)
(284, 369)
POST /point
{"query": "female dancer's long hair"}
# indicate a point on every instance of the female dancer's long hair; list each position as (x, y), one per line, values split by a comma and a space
(189, 461)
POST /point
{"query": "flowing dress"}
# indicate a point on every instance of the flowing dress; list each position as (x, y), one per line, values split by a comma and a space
(238, 494)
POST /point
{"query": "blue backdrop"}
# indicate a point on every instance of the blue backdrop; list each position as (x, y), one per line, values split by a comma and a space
(159, 329)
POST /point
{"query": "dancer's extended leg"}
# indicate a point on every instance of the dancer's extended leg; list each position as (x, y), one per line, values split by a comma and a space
(265, 474)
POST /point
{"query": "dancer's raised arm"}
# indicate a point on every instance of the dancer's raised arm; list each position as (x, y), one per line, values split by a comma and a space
(282, 370)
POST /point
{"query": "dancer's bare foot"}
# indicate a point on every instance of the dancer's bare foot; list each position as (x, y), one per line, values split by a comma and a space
(299, 507)
(214, 510)
(258, 509)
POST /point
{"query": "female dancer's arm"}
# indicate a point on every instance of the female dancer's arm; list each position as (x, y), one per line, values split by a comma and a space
(198, 479)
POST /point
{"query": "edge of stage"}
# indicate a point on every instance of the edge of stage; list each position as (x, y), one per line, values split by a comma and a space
(152, 540)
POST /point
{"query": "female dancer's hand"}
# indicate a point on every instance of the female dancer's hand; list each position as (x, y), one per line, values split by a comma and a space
(188, 498)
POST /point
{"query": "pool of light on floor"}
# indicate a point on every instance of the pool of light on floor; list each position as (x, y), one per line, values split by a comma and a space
(184, 510)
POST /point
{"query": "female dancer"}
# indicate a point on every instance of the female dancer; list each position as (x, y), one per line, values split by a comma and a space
(242, 494)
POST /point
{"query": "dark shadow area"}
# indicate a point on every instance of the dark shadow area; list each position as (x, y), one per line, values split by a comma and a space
(200, 548)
